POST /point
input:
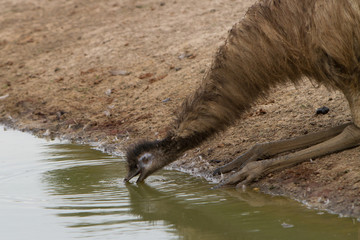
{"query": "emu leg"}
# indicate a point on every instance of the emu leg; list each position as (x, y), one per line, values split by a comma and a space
(269, 149)
(348, 138)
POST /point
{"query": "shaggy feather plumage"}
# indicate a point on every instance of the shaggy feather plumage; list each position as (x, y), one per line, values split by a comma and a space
(277, 41)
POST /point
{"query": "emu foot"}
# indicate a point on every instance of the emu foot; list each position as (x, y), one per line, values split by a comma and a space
(257, 152)
(320, 144)
(246, 175)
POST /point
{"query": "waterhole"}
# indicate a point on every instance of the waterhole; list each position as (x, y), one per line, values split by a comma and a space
(56, 190)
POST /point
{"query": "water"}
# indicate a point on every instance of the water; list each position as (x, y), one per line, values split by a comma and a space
(55, 190)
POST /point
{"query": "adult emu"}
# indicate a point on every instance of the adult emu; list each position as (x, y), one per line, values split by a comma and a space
(277, 41)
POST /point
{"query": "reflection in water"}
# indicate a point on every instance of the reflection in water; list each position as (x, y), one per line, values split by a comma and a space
(79, 170)
(77, 192)
(190, 222)
(229, 218)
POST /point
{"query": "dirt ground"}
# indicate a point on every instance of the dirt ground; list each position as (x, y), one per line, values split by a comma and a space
(114, 71)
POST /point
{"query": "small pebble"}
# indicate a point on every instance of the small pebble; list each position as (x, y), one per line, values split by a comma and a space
(322, 110)
(187, 55)
(4, 96)
(107, 113)
(46, 133)
(119, 73)
(108, 92)
(182, 56)
(166, 100)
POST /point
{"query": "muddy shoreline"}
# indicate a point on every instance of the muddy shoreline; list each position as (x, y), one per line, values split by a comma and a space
(114, 148)
(112, 73)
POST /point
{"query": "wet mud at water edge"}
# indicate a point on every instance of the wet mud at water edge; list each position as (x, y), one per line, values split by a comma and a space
(58, 190)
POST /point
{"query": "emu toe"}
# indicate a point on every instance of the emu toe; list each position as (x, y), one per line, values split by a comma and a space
(245, 176)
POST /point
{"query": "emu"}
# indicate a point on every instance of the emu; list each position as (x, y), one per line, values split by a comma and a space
(277, 41)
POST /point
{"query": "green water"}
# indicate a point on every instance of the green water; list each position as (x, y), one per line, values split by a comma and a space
(54, 190)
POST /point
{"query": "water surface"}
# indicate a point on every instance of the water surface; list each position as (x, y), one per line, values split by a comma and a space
(57, 190)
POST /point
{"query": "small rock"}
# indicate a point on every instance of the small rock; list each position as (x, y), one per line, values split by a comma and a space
(108, 92)
(166, 100)
(187, 55)
(107, 113)
(46, 133)
(119, 73)
(178, 69)
(182, 56)
(4, 96)
(322, 110)
(162, 4)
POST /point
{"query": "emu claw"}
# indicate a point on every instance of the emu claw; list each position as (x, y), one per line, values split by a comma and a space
(245, 176)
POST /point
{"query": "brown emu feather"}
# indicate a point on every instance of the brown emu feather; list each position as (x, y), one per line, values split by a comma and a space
(277, 41)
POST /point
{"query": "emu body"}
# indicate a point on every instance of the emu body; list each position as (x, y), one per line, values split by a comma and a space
(277, 41)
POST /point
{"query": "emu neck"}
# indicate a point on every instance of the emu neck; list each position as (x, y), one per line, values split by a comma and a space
(245, 69)
(260, 52)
